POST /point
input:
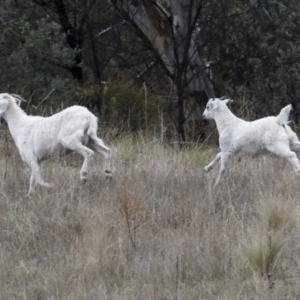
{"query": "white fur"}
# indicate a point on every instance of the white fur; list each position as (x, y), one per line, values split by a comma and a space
(239, 137)
(74, 128)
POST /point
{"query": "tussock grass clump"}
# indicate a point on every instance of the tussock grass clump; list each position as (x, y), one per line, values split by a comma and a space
(264, 252)
(278, 214)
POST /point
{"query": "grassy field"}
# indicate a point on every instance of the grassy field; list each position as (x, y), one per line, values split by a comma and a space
(157, 231)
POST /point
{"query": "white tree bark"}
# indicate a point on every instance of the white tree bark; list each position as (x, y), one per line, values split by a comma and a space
(171, 35)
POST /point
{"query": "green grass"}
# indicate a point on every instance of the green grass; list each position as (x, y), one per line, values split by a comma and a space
(165, 234)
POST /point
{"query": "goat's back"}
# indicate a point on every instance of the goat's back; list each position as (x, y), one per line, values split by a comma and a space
(73, 118)
(253, 137)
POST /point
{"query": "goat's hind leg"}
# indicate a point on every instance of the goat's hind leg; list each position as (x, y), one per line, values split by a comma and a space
(77, 146)
(284, 151)
(293, 139)
(97, 144)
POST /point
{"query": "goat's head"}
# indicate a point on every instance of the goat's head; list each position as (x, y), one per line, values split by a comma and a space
(6, 98)
(212, 105)
(4, 101)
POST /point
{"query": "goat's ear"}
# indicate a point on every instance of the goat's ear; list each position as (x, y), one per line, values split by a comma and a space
(215, 103)
(18, 101)
(223, 98)
(3, 105)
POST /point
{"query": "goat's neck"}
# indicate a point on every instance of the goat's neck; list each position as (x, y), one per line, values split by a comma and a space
(14, 117)
(225, 118)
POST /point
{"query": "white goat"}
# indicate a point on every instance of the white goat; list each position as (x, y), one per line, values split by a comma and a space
(74, 128)
(240, 137)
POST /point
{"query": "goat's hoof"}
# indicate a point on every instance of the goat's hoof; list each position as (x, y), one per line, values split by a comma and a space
(83, 177)
(108, 176)
(207, 169)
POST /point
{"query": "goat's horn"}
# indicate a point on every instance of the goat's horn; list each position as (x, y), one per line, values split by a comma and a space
(223, 98)
(18, 97)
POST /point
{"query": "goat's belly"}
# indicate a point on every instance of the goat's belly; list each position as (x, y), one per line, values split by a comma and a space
(247, 152)
(45, 152)
(251, 151)
(247, 149)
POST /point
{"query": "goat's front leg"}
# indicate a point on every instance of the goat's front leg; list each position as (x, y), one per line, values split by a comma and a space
(36, 177)
(211, 165)
(225, 159)
(32, 184)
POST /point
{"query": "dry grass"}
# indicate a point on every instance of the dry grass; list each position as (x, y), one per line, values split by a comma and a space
(158, 231)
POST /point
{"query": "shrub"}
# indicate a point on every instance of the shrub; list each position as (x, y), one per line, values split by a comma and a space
(128, 106)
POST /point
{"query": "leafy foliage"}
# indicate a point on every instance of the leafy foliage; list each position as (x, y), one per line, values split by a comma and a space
(35, 58)
(259, 64)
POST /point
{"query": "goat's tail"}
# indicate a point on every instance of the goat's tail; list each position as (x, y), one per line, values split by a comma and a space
(283, 117)
(93, 127)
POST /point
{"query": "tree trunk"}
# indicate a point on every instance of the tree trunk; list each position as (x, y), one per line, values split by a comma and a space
(74, 39)
(172, 38)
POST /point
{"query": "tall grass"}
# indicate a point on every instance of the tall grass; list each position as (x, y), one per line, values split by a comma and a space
(157, 231)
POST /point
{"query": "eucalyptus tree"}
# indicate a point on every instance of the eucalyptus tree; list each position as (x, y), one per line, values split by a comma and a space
(101, 46)
(173, 31)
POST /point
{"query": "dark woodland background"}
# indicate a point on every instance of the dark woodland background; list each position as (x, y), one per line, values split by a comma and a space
(143, 63)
